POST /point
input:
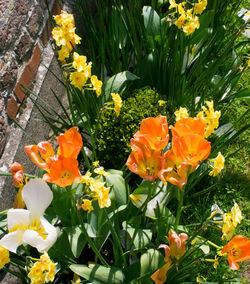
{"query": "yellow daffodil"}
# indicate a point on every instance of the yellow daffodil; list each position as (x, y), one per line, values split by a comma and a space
(100, 193)
(180, 21)
(218, 164)
(76, 279)
(78, 79)
(96, 164)
(29, 226)
(64, 52)
(228, 229)
(42, 271)
(100, 171)
(181, 113)
(236, 214)
(97, 85)
(80, 62)
(118, 103)
(64, 18)
(200, 6)
(87, 205)
(4, 256)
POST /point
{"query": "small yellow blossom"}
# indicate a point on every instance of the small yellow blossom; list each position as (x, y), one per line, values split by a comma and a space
(97, 85)
(191, 25)
(218, 164)
(96, 164)
(80, 62)
(161, 103)
(181, 113)
(4, 256)
(200, 6)
(172, 4)
(76, 279)
(228, 228)
(236, 214)
(215, 261)
(87, 179)
(42, 271)
(210, 118)
(78, 79)
(87, 205)
(64, 52)
(118, 103)
(100, 193)
(180, 21)
(64, 19)
(100, 171)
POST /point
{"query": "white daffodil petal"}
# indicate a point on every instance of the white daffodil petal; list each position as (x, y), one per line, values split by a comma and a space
(37, 197)
(33, 238)
(12, 241)
(17, 217)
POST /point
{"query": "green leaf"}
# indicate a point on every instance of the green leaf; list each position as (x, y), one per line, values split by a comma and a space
(119, 192)
(117, 82)
(76, 239)
(152, 21)
(99, 274)
(150, 261)
(142, 239)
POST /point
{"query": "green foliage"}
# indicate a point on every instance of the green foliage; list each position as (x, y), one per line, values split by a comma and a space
(114, 133)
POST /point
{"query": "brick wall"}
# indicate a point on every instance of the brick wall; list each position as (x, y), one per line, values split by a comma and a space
(24, 32)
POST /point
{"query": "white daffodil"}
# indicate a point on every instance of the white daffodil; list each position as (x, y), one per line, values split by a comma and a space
(29, 226)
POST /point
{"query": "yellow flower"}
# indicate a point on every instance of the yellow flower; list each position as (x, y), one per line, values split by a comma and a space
(76, 279)
(96, 164)
(228, 228)
(64, 18)
(97, 85)
(191, 25)
(64, 52)
(80, 62)
(118, 103)
(4, 256)
(161, 102)
(209, 117)
(42, 271)
(87, 205)
(172, 4)
(180, 21)
(215, 261)
(236, 214)
(100, 171)
(181, 113)
(181, 8)
(100, 193)
(87, 179)
(78, 79)
(218, 164)
(200, 6)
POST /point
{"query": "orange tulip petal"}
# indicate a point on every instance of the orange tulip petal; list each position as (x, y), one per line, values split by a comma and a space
(70, 143)
(187, 126)
(32, 152)
(15, 167)
(45, 149)
(160, 276)
(62, 171)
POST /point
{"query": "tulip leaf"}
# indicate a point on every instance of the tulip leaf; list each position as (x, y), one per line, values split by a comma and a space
(152, 21)
(151, 261)
(99, 274)
(118, 192)
(76, 239)
(142, 238)
(116, 83)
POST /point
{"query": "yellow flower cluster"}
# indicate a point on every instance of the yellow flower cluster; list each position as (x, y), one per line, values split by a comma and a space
(181, 113)
(4, 256)
(118, 103)
(209, 117)
(96, 189)
(218, 164)
(64, 35)
(187, 19)
(230, 221)
(43, 271)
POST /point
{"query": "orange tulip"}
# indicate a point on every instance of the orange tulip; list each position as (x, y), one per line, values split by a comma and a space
(153, 132)
(174, 170)
(191, 148)
(70, 143)
(62, 171)
(238, 250)
(17, 172)
(144, 162)
(160, 275)
(187, 126)
(177, 244)
(32, 152)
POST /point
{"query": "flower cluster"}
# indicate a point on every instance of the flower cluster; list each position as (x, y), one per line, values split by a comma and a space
(42, 271)
(187, 19)
(95, 189)
(118, 103)
(62, 168)
(188, 149)
(64, 35)
(218, 164)
(173, 253)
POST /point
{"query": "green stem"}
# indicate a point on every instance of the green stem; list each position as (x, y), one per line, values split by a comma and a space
(179, 210)
(116, 238)
(86, 160)
(19, 275)
(92, 244)
(9, 174)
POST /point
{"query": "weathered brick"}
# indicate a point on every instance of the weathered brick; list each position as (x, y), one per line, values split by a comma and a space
(12, 107)
(56, 9)
(8, 71)
(28, 73)
(35, 21)
(23, 46)
(46, 33)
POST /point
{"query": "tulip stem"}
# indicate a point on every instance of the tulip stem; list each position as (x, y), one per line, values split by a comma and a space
(179, 210)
